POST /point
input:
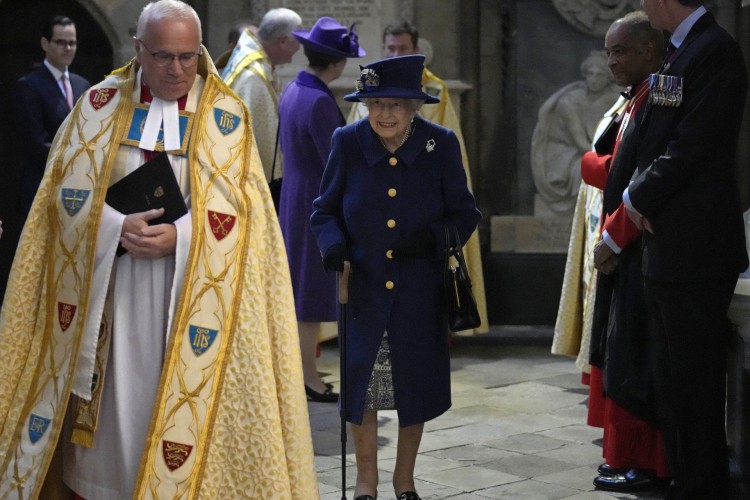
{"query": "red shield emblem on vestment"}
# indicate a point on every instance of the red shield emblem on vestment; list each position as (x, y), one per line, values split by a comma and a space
(221, 224)
(65, 314)
(100, 97)
(175, 454)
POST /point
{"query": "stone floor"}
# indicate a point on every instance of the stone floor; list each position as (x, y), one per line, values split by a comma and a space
(516, 429)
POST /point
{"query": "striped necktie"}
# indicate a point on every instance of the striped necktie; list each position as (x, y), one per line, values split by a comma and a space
(671, 49)
(668, 57)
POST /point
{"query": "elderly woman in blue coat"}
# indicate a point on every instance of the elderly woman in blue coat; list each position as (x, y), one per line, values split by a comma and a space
(392, 183)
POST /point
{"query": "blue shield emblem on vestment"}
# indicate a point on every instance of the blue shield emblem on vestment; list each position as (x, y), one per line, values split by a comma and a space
(593, 223)
(37, 427)
(226, 121)
(201, 338)
(138, 122)
(73, 199)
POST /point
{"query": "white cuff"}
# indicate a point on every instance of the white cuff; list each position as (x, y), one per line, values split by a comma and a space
(610, 242)
(627, 202)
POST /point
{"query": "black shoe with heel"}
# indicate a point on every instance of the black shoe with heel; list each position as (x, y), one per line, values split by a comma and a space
(327, 396)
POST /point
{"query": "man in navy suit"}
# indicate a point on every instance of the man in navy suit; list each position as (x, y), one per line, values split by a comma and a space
(42, 99)
(686, 198)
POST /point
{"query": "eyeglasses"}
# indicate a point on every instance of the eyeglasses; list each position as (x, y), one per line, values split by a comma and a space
(164, 59)
(71, 44)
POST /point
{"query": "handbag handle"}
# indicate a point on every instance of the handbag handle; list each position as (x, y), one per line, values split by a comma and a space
(454, 248)
(462, 313)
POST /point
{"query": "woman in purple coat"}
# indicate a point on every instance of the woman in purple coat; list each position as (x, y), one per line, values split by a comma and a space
(308, 115)
(393, 182)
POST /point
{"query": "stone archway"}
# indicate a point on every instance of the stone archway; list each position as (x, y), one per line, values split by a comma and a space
(21, 24)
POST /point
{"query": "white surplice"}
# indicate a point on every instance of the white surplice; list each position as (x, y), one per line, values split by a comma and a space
(145, 294)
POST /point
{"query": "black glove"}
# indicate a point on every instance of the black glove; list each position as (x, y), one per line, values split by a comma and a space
(418, 244)
(334, 258)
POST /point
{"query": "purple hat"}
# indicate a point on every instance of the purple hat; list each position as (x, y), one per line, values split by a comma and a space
(396, 77)
(331, 38)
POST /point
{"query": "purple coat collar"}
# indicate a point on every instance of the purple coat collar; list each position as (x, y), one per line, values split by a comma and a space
(306, 79)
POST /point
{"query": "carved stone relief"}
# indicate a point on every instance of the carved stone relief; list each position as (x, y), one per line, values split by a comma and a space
(406, 10)
(593, 17)
(258, 9)
(565, 130)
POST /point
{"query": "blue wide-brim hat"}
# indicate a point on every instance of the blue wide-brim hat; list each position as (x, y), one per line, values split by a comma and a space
(330, 38)
(395, 77)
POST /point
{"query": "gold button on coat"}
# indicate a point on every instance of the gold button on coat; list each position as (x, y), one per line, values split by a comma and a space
(389, 285)
(389, 254)
(392, 193)
(392, 161)
(391, 223)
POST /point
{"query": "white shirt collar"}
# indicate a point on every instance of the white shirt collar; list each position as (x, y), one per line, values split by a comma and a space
(56, 72)
(685, 26)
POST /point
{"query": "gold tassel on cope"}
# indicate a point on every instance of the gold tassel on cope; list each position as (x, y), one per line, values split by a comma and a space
(83, 437)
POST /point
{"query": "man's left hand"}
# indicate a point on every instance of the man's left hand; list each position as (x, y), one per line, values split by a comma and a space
(148, 242)
(602, 252)
(609, 265)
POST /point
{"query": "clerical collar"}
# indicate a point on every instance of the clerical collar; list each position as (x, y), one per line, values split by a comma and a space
(164, 115)
(147, 97)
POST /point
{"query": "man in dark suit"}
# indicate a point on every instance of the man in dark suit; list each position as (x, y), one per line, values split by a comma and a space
(685, 197)
(42, 99)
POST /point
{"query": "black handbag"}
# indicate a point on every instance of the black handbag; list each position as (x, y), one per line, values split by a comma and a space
(462, 308)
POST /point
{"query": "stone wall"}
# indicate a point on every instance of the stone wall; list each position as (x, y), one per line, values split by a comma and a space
(502, 58)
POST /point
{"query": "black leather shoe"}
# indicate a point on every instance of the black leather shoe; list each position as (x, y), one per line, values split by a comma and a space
(608, 470)
(408, 495)
(327, 396)
(632, 481)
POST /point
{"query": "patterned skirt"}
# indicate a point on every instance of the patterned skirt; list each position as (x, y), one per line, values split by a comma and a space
(380, 395)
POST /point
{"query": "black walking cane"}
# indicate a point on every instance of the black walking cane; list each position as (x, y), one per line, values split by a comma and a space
(343, 299)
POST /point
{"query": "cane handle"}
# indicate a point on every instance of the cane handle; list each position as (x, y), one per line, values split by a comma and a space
(344, 283)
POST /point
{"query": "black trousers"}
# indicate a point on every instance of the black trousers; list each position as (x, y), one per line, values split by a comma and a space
(689, 331)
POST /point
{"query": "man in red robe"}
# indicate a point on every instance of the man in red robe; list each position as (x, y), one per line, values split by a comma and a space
(620, 388)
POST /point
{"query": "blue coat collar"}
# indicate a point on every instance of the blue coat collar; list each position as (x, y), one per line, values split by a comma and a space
(374, 151)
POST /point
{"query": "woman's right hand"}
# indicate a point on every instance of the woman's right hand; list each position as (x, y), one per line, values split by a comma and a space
(334, 258)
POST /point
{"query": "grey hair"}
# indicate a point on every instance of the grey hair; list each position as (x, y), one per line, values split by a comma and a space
(413, 104)
(162, 9)
(640, 30)
(278, 23)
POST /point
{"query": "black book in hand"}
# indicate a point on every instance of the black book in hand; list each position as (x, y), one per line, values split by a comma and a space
(152, 185)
